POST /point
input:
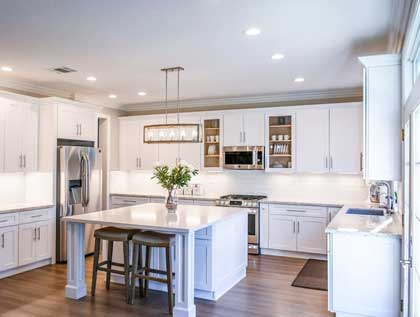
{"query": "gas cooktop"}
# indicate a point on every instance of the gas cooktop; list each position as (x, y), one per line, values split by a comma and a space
(239, 200)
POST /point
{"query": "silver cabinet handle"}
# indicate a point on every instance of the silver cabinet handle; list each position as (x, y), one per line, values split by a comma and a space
(331, 162)
(34, 234)
(298, 227)
(294, 226)
(244, 136)
(326, 162)
(240, 137)
(80, 129)
(295, 210)
(361, 161)
(39, 233)
(2, 240)
(139, 162)
(24, 161)
(36, 216)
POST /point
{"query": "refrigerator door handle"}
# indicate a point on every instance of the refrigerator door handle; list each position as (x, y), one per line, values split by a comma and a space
(85, 173)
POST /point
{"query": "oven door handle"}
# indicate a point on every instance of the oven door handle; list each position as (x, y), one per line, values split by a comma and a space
(252, 212)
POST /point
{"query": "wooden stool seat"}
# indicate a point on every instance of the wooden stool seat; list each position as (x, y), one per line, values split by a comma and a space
(112, 234)
(151, 239)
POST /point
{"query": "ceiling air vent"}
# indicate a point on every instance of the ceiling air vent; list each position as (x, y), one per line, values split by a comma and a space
(64, 70)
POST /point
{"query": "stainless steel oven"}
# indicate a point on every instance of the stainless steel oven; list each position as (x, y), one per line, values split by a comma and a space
(243, 157)
(250, 202)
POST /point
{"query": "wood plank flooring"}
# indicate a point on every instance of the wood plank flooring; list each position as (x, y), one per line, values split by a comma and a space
(266, 291)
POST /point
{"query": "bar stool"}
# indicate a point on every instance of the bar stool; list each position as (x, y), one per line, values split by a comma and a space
(112, 234)
(151, 239)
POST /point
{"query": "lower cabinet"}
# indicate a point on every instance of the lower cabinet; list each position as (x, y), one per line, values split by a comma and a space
(34, 242)
(202, 279)
(8, 248)
(293, 228)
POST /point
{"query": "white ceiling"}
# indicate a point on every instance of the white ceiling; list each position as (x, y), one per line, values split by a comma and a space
(125, 43)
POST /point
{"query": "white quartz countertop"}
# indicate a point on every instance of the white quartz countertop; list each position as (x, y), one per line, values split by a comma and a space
(187, 197)
(14, 207)
(156, 217)
(389, 225)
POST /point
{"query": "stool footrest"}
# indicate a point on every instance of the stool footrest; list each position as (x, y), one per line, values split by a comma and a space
(112, 263)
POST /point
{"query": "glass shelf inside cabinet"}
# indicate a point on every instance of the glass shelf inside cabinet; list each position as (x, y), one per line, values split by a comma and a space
(212, 150)
(280, 142)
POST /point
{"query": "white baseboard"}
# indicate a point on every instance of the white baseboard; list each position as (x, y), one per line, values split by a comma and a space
(25, 268)
(292, 254)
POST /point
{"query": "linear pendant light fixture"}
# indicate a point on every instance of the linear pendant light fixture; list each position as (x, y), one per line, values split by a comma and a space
(171, 132)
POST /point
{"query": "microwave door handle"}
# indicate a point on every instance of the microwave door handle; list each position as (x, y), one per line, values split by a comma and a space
(254, 157)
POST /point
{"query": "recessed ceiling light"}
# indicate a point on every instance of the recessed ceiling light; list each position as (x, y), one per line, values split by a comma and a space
(299, 80)
(141, 93)
(91, 78)
(6, 68)
(252, 31)
(277, 56)
(112, 96)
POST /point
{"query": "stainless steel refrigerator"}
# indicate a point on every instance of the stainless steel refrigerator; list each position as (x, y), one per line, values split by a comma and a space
(79, 190)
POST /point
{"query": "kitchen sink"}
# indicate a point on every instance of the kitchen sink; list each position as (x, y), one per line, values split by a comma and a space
(366, 212)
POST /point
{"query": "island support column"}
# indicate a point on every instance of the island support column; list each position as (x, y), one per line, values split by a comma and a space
(76, 284)
(184, 275)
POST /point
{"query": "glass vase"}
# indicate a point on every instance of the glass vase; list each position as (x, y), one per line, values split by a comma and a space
(171, 201)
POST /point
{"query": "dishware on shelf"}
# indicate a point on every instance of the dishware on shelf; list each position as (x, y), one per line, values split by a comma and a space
(216, 138)
(273, 137)
(280, 137)
(211, 150)
(287, 137)
(211, 138)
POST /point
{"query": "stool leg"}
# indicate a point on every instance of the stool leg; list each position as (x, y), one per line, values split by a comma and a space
(108, 265)
(134, 272)
(147, 268)
(126, 271)
(169, 278)
(140, 263)
(95, 265)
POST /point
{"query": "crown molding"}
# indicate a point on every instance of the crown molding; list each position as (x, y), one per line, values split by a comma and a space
(380, 60)
(399, 23)
(249, 99)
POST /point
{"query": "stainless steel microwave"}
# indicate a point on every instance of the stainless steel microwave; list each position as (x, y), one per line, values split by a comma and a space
(243, 157)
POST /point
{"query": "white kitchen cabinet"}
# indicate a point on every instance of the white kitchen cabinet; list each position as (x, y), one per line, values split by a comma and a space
(346, 138)
(34, 242)
(203, 264)
(76, 123)
(366, 266)
(382, 117)
(282, 233)
(312, 140)
(129, 144)
(21, 137)
(311, 237)
(264, 226)
(148, 153)
(8, 248)
(190, 152)
(245, 128)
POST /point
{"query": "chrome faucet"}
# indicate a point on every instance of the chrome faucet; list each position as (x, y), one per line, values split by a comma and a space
(389, 199)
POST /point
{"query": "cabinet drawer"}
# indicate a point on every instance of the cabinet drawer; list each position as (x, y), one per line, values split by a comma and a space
(8, 219)
(34, 216)
(298, 210)
(128, 201)
(204, 234)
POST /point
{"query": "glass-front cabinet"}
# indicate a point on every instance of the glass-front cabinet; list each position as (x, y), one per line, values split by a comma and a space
(280, 137)
(212, 142)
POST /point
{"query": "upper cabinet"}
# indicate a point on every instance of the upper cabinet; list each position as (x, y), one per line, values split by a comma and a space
(330, 139)
(77, 123)
(212, 147)
(346, 138)
(312, 140)
(21, 137)
(382, 117)
(244, 128)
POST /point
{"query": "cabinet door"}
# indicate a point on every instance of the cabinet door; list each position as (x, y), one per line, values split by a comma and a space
(202, 260)
(129, 144)
(311, 236)
(13, 127)
(43, 242)
(87, 125)
(264, 226)
(312, 140)
(148, 153)
(168, 154)
(8, 248)
(232, 129)
(27, 244)
(253, 128)
(68, 123)
(30, 137)
(346, 138)
(281, 233)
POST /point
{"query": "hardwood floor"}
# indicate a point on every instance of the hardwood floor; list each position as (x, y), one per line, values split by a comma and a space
(266, 291)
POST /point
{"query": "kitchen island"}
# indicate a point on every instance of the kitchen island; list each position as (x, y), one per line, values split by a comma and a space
(227, 227)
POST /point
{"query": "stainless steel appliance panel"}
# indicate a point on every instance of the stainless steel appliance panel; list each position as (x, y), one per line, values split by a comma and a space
(79, 190)
(243, 157)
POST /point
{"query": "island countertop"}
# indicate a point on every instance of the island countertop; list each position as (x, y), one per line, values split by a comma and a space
(154, 216)
(388, 225)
